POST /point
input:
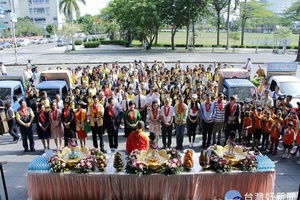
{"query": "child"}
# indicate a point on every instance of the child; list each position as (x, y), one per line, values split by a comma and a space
(288, 139)
(257, 118)
(248, 126)
(275, 135)
(268, 121)
(297, 140)
(231, 143)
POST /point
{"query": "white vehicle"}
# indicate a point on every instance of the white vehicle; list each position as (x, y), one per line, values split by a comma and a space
(23, 42)
(283, 74)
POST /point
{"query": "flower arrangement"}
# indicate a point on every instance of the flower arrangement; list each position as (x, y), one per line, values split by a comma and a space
(174, 153)
(217, 163)
(249, 164)
(85, 165)
(173, 165)
(134, 166)
(94, 151)
(57, 165)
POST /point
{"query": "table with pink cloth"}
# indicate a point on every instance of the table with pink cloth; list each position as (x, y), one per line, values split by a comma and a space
(111, 185)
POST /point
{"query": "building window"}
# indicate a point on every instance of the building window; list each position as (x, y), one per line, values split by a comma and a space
(46, 1)
(40, 20)
(37, 11)
(38, 1)
(54, 18)
(2, 2)
(48, 10)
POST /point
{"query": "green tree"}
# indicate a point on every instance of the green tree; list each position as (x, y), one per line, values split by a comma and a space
(50, 29)
(179, 13)
(294, 13)
(251, 9)
(68, 7)
(24, 27)
(281, 33)
(234, 36)
(218, 6)
(236, 3)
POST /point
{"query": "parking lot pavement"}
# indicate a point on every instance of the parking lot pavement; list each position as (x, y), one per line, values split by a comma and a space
(287, 170)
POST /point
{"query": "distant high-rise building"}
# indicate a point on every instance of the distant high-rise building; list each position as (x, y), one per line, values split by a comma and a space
(41, 12)
(279, 6)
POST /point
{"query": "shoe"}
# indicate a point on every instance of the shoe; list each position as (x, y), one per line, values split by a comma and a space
(18, 140)
(288, 156)
(283, 156)
(32, 150)
(190, 145)
(293, 154)
(103, 151)
(26, 151)
(203, 146)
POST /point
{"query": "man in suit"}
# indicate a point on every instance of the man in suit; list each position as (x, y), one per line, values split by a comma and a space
(111, 122)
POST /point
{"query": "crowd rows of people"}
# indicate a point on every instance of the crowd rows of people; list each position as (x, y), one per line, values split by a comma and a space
(165, 98)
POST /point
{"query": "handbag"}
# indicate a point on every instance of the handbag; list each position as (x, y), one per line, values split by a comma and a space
(87, 127)
(244, 132)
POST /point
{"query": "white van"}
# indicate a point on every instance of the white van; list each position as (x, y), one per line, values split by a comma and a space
(23, 42)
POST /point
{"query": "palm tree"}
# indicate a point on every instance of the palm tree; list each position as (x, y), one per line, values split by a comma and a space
(236, 2)
(68, 7)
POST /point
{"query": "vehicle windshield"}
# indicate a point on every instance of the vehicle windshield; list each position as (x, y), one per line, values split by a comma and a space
(242, 93)
(51, 92)
(5, 93)
(291, 88)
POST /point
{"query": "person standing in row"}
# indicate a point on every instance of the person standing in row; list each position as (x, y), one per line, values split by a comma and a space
(167, 117)
(95, 114)
(208, 115)
(43, 126)
(141, 104)
(125, 108)
(80, 119)
(24, 117)
(67, 120)
(132, 117)
(181, 113)
(193, 116)
(11, 120)
(219, 105)
(56, 126)
(232, 116)
(111, 122)
(154, 120)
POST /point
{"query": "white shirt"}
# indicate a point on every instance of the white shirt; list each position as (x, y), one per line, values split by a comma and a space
(248, 65)
(123, 104)
(3, 69)
(170, 114)
(143, 101)
(191, 110)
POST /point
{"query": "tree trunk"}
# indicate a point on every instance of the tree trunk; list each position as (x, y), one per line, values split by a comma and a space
(187, 36)
(298, 50)
(243, 30)
(228, 15)
(193, 35)
(218, 28)
(156, 37)
(173, 32)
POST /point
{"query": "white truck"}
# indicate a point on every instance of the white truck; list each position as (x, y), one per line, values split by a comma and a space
(283, 74)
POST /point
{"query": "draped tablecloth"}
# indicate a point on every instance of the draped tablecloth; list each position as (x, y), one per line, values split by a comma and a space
(205, 185)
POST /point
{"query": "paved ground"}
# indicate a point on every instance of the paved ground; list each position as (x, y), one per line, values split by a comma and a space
(287, 171)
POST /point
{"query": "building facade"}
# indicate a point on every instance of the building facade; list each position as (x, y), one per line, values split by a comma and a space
(279, 6)
(41, 12)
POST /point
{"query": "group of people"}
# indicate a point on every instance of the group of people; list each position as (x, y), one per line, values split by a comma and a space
(168, 100)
